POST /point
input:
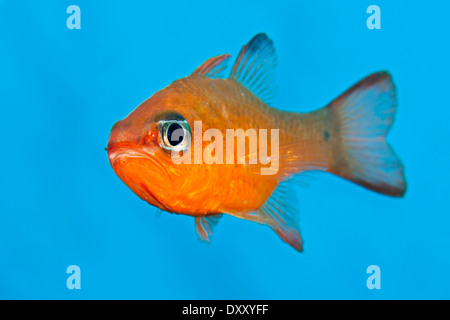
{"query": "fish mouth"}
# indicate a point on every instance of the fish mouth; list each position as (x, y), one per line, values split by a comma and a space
(139, 170)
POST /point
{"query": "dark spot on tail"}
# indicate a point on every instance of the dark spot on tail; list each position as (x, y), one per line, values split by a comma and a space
(326, 135)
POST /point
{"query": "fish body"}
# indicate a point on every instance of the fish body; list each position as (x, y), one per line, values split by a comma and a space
(346, 138)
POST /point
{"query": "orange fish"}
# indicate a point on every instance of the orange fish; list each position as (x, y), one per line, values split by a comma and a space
(346, 138)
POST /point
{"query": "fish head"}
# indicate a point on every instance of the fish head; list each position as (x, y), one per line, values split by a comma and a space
(145, 149)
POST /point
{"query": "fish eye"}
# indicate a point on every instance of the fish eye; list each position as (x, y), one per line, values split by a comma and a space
(171, 128)
(174, 135)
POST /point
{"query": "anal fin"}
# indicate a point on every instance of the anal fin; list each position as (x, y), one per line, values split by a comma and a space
(279, 212)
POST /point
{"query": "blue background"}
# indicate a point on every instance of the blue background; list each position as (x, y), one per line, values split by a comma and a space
(61, 203)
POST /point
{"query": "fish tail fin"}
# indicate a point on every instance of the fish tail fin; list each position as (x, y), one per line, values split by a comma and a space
(362, 116)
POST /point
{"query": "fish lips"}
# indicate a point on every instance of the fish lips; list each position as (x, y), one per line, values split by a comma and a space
(140, 171)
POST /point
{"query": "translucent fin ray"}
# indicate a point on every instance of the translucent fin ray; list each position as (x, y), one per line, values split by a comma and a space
(364, 115)
(213, 67)
(255, 67)
(279, 212)
(205, 225)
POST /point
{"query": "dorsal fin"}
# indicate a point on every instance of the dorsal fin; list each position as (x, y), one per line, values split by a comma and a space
(213, 67)
(255, 67)
(205, 225)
